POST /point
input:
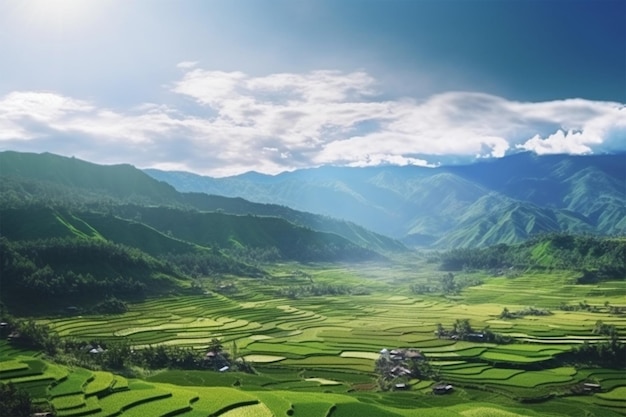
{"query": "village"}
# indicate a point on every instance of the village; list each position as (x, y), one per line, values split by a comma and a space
(396, 368)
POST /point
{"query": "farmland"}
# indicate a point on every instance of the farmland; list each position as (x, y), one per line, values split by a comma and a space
(316, 355)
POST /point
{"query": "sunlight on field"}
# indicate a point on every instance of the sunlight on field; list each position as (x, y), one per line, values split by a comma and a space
(314, 354)
(322, 381)
(362, 355)
(263, 358)
(490, 412)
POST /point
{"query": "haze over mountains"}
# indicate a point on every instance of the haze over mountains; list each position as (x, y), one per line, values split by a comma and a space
(67, 223)
(502, 200)
(44, 196)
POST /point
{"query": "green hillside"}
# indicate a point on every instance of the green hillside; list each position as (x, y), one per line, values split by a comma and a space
(248, 231)
(59, 256)
(594, 258)
(118, 181)
(171, 237)
(52, 180)
(349, 230)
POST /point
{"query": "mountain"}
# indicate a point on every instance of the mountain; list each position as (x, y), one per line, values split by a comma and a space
(75, 233)
(62, 181)
(596, 258)
(122, 182)
(505, 200)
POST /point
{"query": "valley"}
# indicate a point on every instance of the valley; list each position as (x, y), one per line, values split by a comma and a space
(121, 296)
(316, 355)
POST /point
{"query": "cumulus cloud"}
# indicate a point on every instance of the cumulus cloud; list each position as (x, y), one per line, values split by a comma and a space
(233, 122)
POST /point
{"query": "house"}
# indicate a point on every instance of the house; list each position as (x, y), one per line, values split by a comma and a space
(399, 371)
(401, 386)
(14, 336)
(589, 387)
(224, 368)
(442, 389)
(476, 337)
(413, 354)
(403, 354)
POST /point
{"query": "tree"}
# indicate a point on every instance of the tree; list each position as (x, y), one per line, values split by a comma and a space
(14, 402)
(117, 354)
(448, 286)
(440, 330)
(215, 346)
(383, 366)
(506, 314)
(462, 328)
(600, 328)
(38, 336)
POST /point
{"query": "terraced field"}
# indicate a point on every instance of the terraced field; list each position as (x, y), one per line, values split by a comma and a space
(315, 356)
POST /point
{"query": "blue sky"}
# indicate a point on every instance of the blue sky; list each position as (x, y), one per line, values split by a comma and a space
(226, 86)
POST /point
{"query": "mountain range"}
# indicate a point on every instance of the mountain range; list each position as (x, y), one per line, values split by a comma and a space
(71, 230)
(505, 200)
(45, 196)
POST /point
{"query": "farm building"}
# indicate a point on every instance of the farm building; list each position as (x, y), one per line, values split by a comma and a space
(442, 389)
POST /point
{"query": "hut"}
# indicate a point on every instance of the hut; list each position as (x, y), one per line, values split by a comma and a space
(442, 389)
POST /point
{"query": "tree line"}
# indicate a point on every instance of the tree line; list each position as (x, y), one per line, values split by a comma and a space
(117, 354)
(75, 268)
(597, 258)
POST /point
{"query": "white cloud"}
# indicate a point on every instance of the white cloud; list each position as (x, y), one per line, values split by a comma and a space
(560, 142)
(23, 114)
(585, 128)
(235, 122)
(185, 65)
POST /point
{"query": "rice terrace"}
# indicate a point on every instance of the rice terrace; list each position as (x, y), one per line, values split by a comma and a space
(316, 355)
(172, 304)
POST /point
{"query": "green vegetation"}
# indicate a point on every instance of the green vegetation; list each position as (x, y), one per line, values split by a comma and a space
(125, 306)
(36, 180)
(503, 200)
(316, 345)
(595, 258)
(14, 402)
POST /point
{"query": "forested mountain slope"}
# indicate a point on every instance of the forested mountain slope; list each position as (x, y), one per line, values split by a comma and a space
(54, 180)
(503, 200)
(75, 232)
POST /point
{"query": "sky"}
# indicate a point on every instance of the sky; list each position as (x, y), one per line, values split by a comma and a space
(223, 87)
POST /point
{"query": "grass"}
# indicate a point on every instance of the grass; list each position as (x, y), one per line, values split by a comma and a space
(300, 346)
(73, 384)
(90, 406)
(68, 402)
(125, 400)
(616, 394)
(101, 382)
(179, 401)
(252, 410)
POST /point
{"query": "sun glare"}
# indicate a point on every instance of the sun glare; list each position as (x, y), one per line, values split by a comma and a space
(58, 15)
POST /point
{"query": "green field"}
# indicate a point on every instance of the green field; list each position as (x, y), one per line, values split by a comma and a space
(315, 355)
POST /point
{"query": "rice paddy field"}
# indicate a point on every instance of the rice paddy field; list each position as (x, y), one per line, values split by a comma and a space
(315, 355)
